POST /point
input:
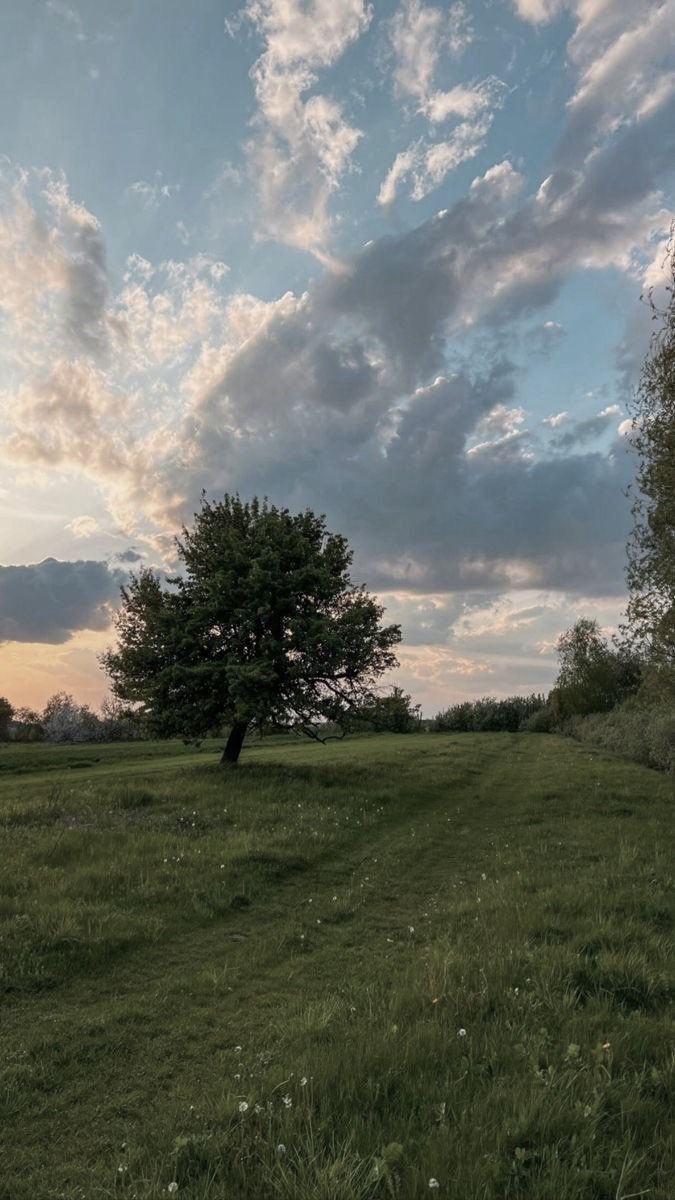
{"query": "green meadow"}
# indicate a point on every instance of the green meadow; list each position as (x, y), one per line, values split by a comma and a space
(393, 966)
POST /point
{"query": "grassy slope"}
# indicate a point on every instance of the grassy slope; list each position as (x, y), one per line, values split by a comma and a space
(176, 942)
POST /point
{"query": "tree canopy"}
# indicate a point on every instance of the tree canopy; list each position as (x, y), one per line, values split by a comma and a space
(593, 676)
(651, 549)
(262, 626)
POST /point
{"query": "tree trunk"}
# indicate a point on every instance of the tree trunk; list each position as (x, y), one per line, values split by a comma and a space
(234, 744)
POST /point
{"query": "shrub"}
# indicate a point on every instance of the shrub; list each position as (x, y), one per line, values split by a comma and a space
(646, 735)
(542, 720)
(488, 715)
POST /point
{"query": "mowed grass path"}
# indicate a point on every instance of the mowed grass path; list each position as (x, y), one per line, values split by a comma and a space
(338, 972)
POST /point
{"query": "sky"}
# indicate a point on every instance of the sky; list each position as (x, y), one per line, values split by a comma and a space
(380, 260)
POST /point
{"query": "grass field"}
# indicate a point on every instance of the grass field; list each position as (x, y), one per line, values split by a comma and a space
(387, 967)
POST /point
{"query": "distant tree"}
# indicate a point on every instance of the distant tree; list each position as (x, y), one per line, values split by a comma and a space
(651, 548)
(6, 714)
(27, 726)
(487, 715)
(118, 722)
(593, 676)
(63, 720)
(263, 628)
(391, 713)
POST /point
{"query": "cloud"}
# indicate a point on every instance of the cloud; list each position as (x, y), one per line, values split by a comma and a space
(83, 527)
(419, 35)
(51, 600)
(161, 312)
(556, 419)
(303, 145)
(624, 52)
(355, 397)
(70, 16)
(53, 273)
(625, 81)
(428, 164)
(589, 429)
(543, 339)
(539, 12)
(152, 192)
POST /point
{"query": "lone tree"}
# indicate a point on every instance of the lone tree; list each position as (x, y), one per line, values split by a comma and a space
(651, 548)
(262, 627)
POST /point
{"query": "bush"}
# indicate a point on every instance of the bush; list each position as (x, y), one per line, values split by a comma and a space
(488, 715)
(542, 720)
(392, 713)
(646, 735)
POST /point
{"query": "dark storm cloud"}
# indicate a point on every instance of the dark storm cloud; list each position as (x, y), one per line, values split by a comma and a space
(51, 600)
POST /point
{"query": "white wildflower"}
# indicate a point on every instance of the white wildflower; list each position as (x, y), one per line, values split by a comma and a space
(172, 1188)
(243, 1107)
(433, 1183)
(303, 1081)
(288, 1103)
(461, 1033)
(281, 1149)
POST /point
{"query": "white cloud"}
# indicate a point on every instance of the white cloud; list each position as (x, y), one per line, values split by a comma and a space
(152, 192)
(624, 52)
(53, 273)
(539, 12)
(83, 527)
(303, 146)
(428, 164)
(419, 35)
(629, 79)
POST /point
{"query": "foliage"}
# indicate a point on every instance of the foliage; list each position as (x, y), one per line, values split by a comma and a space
(26, 726)
(487, 715)
(646, 735)
(513, 1044)
(391, 713)
(63, 720)
(264, 626)
(6, 713)
(593, 676)
(651, 548)
(118, 722)
(542, 720)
